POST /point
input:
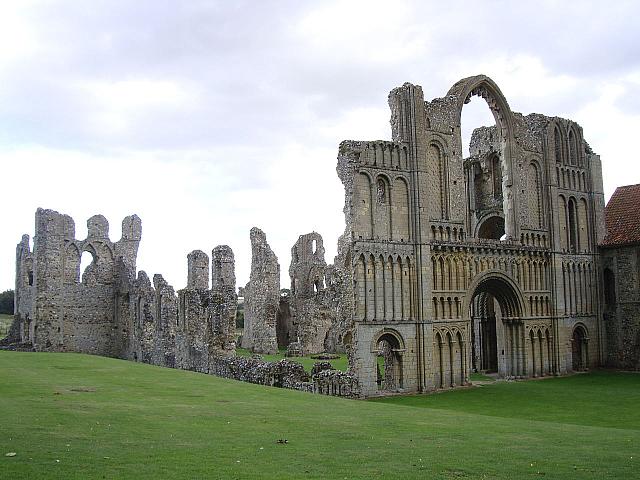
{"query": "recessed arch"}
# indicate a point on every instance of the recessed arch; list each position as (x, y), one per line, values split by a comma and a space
(491, 227)
(484, 87)
(389, 344)
(505, 290)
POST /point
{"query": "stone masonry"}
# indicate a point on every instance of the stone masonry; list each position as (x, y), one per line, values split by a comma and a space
(310, 307)
(499, 263)
(262, 297)
(621, 278)
(108, 310)
(488, 263)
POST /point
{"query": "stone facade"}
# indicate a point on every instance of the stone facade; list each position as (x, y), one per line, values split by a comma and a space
(488, 263)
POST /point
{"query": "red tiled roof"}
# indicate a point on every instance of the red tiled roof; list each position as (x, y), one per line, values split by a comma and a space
(622, 216)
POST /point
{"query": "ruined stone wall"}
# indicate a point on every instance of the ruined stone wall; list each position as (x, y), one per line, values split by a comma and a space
(262, 297)
(621, 285)
(433, 237)
(24, 304)
(110, 311)
(311, 295)
(59, 310)
(287, 374)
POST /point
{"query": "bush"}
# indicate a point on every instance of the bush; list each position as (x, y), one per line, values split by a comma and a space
(6, 302)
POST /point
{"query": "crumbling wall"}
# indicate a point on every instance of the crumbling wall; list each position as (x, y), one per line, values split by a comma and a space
(57, 308)
(166, 315)
(109, 311)
(225, 300)
(288, 374)
(206, 319)
(319, 316)
(24, 304)
(262, 297)
(310, 303)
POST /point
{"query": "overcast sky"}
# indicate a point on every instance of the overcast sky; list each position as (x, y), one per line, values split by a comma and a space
(206, 118)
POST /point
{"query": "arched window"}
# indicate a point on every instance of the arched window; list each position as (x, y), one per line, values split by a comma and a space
(496, 172)
(573, 148)
(381, 195)
(87, 266)
(438, 164)
(557, 141)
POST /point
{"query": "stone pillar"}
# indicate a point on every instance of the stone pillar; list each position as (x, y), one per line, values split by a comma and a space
(262, 297)
(198, 270)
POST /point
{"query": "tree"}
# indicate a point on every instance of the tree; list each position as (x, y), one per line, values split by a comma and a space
(6, 302)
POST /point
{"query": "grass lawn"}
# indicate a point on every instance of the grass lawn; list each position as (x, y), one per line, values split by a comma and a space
(307, 362)
(5, 323)
(480, 377)
(77, 416)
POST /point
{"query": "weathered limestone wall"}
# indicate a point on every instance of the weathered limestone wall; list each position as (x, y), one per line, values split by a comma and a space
(621, 285)
(109, 311)
(58, 310)
(311, 296)
(262, 297)
(316, 306)
(432, 239)
(287, 374)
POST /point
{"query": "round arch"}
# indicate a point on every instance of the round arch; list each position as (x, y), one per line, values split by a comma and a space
(580, 347)
(505, 290)
(486, 88)
(490, 226)
(392, 336)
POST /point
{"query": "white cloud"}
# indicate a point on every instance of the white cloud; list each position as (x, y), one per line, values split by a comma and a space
(208, 118)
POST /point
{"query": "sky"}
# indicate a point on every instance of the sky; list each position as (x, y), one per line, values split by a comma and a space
(206, 118)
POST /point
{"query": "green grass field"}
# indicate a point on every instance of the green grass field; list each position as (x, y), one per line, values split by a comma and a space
(5, 323)
(77, 416)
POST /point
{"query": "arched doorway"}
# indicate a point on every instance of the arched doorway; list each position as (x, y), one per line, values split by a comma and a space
(389, 348)
(497, 330)
(579, 349)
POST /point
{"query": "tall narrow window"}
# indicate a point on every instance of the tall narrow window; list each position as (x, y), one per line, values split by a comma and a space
(496, 172)
(557, 140)
(573, 148)
(572, 227)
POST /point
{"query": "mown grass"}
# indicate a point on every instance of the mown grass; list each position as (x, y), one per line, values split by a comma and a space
(77, 416)
(5, 323)
(480, 377)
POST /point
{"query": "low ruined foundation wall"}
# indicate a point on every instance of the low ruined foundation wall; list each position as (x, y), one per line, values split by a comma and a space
(285, 374)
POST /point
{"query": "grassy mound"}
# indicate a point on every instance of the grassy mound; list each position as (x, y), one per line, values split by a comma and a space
(77, 416)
